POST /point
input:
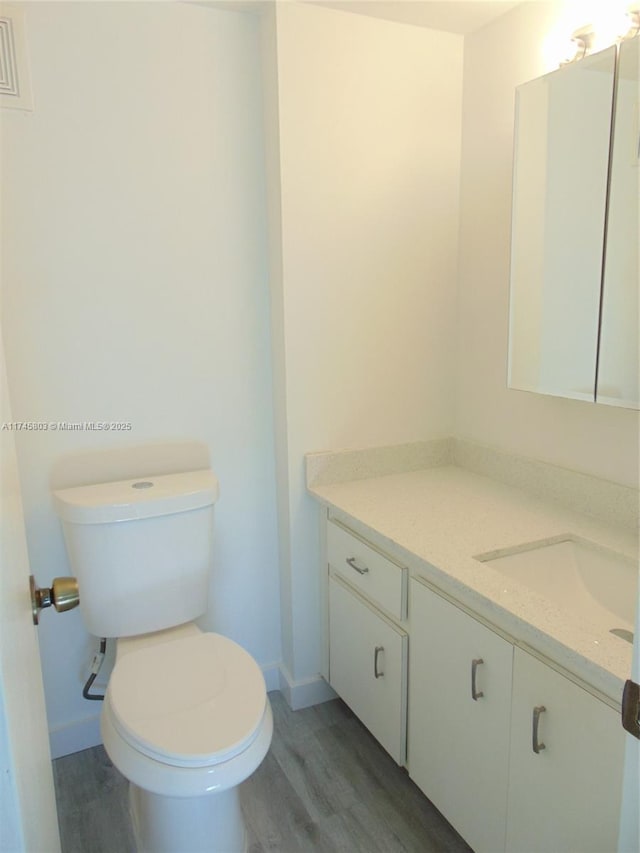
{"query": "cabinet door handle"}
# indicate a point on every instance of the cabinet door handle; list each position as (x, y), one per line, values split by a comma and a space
(536, 744)
(352, 562)
(376, 652)
(475, 694)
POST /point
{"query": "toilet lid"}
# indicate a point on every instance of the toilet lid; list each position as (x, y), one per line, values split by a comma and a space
(190, 702)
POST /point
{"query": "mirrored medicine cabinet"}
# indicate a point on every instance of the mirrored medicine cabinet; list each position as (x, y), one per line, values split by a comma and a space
(574, 306)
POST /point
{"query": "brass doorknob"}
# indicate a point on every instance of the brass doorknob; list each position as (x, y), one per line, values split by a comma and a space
(62, 594)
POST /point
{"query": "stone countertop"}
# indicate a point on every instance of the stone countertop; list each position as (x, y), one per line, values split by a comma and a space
(435, 521)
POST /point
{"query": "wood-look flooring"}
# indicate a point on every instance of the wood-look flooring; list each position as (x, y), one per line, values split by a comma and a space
(326, 785)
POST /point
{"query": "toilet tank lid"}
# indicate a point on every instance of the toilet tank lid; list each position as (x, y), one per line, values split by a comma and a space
(142, 497)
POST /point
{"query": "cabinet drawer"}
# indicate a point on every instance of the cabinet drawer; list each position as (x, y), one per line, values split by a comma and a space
(381, 579)
(368, 667)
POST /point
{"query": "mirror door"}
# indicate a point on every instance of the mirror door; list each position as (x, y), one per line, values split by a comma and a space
(562, 140)
(618, 382)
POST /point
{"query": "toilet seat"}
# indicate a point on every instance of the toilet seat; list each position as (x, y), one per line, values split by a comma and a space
(193, 702)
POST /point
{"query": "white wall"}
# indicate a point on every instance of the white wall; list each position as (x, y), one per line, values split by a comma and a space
(597, 440)
(369, 142)
(136, 287)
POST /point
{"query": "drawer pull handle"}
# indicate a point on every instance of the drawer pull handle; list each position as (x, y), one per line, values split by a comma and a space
(475, 694)
(536, 744)
(352, 562)
(377, 651)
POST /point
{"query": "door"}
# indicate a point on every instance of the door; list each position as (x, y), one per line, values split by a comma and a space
(566, 757)
(28, 820)
(459, 717)
(368, 666)
(629, 839)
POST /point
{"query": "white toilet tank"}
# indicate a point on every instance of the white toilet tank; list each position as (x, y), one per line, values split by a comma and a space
(141, 550)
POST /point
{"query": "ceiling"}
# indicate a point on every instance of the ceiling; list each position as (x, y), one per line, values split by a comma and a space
(455, 16)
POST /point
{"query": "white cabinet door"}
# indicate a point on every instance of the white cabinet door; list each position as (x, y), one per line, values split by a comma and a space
(459, 746)
(368, 666)
(565, 797)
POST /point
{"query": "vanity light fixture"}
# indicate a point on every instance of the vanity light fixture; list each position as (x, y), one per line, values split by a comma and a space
(582, 41)
(633, 16)
(614, 26)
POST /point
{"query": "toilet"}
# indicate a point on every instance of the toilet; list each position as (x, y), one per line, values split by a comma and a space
(185, 716)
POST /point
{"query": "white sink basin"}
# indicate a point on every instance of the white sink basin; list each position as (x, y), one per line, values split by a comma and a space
(594, 583)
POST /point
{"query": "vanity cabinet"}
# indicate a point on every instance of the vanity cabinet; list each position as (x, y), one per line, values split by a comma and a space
(567, 795)
(515, 754)
(368, 647)
(459, 717)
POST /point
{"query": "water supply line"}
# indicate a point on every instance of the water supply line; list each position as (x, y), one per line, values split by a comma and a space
(96, 663)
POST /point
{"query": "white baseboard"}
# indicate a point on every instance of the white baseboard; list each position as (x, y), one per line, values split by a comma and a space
(271, 672)
(304, 693)
(76, 736)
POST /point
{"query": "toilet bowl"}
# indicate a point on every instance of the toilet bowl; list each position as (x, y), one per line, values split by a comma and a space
(186, 719)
